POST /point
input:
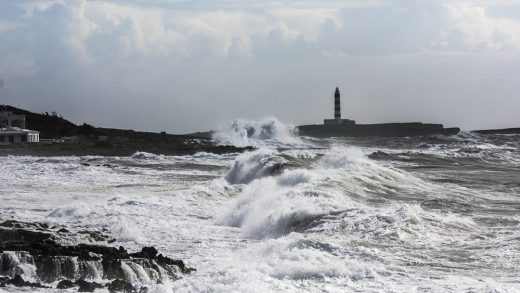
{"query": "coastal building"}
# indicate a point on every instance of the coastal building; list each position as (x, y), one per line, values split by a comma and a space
(8, 120)
(337, 112)
(15, 135)
(12, 130)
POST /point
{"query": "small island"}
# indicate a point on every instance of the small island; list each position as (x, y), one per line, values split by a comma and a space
(338, 127)
(26, 133)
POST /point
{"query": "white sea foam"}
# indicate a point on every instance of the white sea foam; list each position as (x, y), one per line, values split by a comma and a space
(145, 155)
(266, 132)
(253, 165)
(313, 220)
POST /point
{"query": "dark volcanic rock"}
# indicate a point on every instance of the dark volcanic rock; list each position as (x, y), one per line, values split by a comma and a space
(18, 281)
(376, 130)
(22, 235)
(120, 286)
(146, 252)
(499, 131)
(17, 224)
(53, 261)
(65, 284)
(85, 286)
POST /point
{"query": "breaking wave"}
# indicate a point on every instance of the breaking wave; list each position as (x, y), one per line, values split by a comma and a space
(253, 165)
(339, 188)
(265, 132)
(435, 213)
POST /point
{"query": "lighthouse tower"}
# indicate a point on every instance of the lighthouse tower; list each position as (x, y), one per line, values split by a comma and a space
(337, 104)
(337, 112)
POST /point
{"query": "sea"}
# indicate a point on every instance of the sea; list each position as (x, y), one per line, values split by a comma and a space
(296, 214)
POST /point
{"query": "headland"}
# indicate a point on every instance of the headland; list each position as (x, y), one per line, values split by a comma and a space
(338, 127)
(60, 137)
(375, 130)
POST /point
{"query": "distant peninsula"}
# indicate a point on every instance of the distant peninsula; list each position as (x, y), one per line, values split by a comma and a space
(499, 131)
(60, 137)
(372, 130)
(338, 127)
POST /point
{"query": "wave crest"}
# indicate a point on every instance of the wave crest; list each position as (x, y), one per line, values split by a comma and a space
(265, 132)
(254, 165)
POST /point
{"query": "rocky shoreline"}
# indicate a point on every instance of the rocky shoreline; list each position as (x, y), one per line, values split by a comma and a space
(499, 131)
(31, 255)
(376, 130)
(123, 145)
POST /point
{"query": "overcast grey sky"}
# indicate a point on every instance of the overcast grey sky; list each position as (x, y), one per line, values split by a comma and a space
(183, 66)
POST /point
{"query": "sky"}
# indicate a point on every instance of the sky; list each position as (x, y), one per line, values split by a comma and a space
(184, 66)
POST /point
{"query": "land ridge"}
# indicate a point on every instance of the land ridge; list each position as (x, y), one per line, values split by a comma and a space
(60, 137)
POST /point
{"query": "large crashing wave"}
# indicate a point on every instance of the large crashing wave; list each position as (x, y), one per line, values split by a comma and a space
(332, 195)
(253, 165)
(265, 132)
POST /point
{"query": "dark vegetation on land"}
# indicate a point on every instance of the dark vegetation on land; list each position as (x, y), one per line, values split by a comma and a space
(106, 141)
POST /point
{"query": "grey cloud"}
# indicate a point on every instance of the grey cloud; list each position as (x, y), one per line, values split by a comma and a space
(180, 67)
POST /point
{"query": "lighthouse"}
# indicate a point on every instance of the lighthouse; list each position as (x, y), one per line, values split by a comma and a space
(337, 112)
(337, 104)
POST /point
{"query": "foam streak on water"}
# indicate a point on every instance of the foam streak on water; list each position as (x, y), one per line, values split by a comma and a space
(386, 215)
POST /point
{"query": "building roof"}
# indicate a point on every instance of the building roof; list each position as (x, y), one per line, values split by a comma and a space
(16, 130)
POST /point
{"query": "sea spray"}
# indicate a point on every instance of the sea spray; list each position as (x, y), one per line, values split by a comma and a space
(266, 132)
(434, 214)
(253, 165)
(275, 206)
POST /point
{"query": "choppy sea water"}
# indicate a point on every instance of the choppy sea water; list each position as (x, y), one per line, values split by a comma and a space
(426, 214)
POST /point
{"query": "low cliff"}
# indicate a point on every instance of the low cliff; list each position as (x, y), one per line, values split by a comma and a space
(499, 131)
(378, 130)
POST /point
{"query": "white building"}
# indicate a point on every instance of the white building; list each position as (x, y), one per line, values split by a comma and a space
(15, 135)
(12, 130)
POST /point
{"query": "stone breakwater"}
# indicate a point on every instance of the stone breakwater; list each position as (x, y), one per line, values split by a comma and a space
(31, 256)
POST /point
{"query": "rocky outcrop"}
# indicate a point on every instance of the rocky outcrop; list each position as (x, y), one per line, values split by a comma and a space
(499, 131)
(376, 130)
(31, 251)
(99, 141)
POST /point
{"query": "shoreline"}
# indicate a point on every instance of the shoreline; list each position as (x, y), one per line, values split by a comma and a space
(59, 266)
(122, 146)
(123, 143)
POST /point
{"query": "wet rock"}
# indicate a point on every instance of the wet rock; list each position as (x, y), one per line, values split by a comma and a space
(95, 235)
(18, 281)
(51, 261)
(120, 286)
(85, 286)
(51, 269)
(65, 284)
(22, 235)
(146, 252)
(163, 260)
(112, 268)
(25, 225)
